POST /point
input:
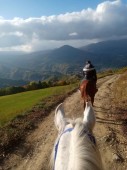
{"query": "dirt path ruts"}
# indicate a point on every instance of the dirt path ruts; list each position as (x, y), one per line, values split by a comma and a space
(39, 144)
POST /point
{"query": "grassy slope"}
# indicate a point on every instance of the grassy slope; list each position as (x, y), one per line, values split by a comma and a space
(13, 105)
(111, 72)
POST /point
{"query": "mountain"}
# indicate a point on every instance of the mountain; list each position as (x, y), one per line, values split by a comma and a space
(47, 64)
(65, 60)
(112, 53)
(111, 47)
(43, 64)
(9, 82)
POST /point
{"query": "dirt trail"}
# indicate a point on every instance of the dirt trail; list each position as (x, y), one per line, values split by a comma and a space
(34, 154)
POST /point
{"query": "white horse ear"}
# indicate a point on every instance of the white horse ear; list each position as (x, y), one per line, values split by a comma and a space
(60, 117)
(89, 116)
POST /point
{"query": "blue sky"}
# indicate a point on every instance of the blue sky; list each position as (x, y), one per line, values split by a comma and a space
(36, 8)
(32, 25)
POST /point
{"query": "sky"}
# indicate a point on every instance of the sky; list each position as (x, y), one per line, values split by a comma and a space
(34, 25)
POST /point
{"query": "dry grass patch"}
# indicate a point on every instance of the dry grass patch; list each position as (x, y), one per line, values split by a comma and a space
(120, 90)
(120, 100)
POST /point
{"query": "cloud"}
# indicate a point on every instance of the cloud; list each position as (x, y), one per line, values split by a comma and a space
(108, 20)
(73, 34)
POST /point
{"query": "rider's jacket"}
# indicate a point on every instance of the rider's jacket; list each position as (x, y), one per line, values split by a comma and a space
(89, 72)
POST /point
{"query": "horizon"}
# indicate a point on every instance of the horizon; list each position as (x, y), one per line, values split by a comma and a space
(33, 26)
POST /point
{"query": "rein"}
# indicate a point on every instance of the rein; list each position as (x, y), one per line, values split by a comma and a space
(57, 144)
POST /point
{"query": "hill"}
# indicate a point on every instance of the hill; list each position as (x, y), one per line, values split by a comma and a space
(47, 64)
(109, 54)
(43, 65)
(10, 82)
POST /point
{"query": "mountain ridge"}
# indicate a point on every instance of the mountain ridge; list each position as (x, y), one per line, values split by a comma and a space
(41, 65)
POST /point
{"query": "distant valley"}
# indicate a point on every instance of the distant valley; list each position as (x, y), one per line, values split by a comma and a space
(42, 65)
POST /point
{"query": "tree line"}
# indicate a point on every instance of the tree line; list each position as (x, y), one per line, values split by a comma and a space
(32, 86)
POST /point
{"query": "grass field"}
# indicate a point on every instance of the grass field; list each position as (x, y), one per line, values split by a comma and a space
(13, 105)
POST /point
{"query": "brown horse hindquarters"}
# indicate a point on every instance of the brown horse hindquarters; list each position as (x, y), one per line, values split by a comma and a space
(88, 88)
(91, 89)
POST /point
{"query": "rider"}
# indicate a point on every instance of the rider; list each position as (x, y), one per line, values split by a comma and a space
(89, 73)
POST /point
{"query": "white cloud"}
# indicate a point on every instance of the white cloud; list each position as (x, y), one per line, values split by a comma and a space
(73, 34)
(108, 20)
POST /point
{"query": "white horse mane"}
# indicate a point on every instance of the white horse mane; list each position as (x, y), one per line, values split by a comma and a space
(77, 151)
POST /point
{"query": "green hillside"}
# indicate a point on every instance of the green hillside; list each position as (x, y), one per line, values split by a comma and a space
(13, 105)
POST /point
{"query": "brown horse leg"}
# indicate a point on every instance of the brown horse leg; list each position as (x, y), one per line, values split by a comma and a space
(92, 100)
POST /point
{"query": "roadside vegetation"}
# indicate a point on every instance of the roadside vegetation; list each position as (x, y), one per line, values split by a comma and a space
(120, 90)
(35, 85)
(109, 72)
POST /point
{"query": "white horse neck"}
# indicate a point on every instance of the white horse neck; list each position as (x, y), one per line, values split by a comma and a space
(62, 158)
(77, 152)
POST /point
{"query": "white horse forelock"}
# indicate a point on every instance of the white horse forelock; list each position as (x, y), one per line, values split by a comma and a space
(80, 153)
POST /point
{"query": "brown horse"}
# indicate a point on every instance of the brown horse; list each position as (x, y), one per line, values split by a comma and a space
(88, 90)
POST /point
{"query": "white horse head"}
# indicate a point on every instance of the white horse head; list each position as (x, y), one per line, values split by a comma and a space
(75, 147)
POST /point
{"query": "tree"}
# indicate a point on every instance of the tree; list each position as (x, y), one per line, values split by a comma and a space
(44, 84)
